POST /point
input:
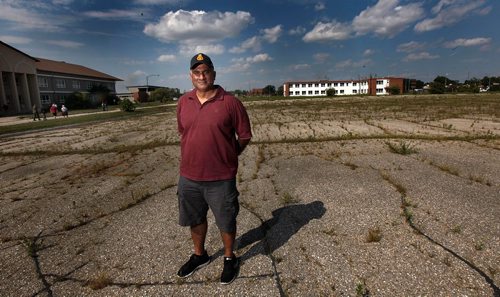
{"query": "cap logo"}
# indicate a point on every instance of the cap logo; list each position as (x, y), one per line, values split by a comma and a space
(199, 57)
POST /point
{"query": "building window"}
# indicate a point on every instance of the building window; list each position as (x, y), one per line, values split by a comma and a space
(335, 84)
(90, 85)
(341, 91)
(45, 99)
(354, 84)
(380, 90)
(354, 91)
(43, 82)
(336, 91)
(322, 85)
(297, 92)
(316, 85)
(341, 84)
(60, 83)
(323, 92)
(304, 85)
(76, 84)
(329, 85)
(310, 85)
(310, 92)
(316, 92)
(304, 93)
(380, 82)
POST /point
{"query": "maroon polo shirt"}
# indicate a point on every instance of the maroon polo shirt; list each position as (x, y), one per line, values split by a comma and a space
(209, 149)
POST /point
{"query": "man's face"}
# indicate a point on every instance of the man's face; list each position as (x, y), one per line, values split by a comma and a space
(202, 77)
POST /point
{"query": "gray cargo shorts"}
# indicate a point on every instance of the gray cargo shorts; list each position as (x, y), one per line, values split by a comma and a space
(196, 197)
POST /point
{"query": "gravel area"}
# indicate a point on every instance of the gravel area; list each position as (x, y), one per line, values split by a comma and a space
(337, 199)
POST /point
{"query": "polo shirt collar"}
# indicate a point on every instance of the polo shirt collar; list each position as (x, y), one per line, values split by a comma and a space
(218, 95)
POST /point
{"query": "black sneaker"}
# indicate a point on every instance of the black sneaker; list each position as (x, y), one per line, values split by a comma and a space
(195, 262)
(231, 269)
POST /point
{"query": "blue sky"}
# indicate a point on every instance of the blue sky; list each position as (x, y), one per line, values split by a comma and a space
(254, 43)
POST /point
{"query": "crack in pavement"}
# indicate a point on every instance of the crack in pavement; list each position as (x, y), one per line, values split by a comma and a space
(409, 221)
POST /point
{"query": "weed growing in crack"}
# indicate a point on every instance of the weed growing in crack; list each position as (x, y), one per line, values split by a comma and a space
(374, 235)
(101, 281)
(286, 199)
(402, 148)
(457, 229)
(32, 246)
(362, 290)
(479, 246)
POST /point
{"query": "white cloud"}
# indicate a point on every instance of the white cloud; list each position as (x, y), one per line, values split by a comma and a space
(479, 41)
(271, 35)
(243, 64)
(259, 58)
(300, 66)
(193, 26)
(22, 17)
(319, 6)
(448, 12)
(368, 52)
(209, 49)
(15, 39)
(166, 58)
(328, 31)
(65, 43)
(138, 77)
(321, 57)
(387, 18)
(411, 46)
(252, 43)
(420, 56)
(62, 2)
(349, 63)
(113, 14)
(158, 2)
(299, 30)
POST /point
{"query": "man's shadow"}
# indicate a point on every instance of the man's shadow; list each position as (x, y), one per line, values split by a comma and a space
(275, 232)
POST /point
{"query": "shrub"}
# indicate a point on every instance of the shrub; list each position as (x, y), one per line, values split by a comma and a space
(127, 105)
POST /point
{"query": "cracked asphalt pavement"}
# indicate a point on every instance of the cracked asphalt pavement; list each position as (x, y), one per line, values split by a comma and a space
(367, 196)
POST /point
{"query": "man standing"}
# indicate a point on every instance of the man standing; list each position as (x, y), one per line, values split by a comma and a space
(36, 115)
(214, 129)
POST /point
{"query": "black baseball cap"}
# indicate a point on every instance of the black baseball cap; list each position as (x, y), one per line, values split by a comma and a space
(201, 59)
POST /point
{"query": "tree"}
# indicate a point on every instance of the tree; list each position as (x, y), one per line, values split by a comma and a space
(164, 94)
(330, 92)
(100, 94)
(280, 91)
(436, 88)
(77, 100)
(393, 90)
(419, 84)
(269, 90)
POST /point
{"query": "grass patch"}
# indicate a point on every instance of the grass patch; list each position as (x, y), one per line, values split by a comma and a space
(374, 235)
(287, 199)
(82, 119)
(402, 148)
(101, 281)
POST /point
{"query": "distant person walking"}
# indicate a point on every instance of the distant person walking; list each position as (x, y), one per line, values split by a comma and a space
(36, 114)
(53, 110)
(64, 111)
(214, 129)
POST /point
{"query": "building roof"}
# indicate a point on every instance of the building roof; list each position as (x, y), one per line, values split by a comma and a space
(15, 49)
(68, 68)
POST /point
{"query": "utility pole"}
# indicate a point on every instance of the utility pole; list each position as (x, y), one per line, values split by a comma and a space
(147, 81)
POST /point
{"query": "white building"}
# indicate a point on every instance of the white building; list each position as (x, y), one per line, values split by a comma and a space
(371, 86)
